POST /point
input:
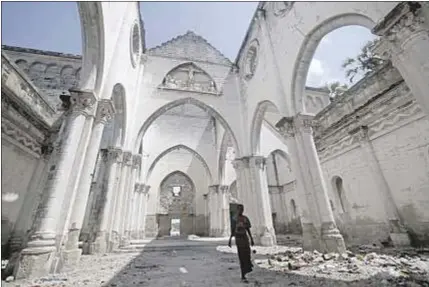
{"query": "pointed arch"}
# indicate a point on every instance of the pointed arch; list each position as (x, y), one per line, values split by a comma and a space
(258, 117)
(178, 147)
(225, 144)
(189, 77)
(192, 101)
(92, 25)
(179, 173)
(308, 48)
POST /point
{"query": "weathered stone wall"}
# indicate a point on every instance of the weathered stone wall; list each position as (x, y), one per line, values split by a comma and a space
(399, 135)
(52, 73)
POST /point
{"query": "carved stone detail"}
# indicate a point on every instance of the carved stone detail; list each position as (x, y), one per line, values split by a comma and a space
(251, 60)
(9, 129)
(281, 8)
(258, 161)
(82, 102)
(137, 161)
(105, 111)
(398, 27)
(115, 155)
(183, 78)
(128, 158)
(240, 163)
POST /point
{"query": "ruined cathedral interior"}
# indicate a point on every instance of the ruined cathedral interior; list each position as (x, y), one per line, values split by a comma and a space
(126, 143)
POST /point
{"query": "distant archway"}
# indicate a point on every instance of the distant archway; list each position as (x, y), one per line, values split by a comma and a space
(178, 147)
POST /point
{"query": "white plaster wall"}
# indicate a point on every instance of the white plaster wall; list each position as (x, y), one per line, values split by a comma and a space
(270, 141)
(404, 160)
(17, 168)
(364, 219)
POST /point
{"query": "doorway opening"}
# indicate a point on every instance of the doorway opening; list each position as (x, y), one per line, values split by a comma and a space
(175, 227)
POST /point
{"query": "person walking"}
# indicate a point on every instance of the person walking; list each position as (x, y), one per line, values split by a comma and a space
(239, 229)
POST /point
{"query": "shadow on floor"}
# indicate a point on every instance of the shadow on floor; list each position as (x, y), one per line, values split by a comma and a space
(177, 262)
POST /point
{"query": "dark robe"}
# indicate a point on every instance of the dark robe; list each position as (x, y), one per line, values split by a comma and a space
(239, 227)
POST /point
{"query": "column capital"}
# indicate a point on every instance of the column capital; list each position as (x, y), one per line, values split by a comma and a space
(205, 196)
(127, 158)
(105, 111)
(137, 161)
(115, 155)
(224, 188)
(398, 27)
(146, 189)
(257, 161)
(80, 102)
(240, 163)
(300, 123)
(213, 188)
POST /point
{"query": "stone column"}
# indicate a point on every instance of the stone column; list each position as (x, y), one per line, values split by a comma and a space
(130, 228)
(318, 224)
(101, 240)
(145, 197)
(213, 206)
(38, 258)
(120, 198)
(225, 223)
(405, 41)
(252, 188)
(72, 253)
(138, 202)
(126, 204)
(206, 214)
(398, 232)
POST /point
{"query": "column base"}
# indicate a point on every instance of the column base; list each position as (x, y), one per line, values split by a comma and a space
(125, 240)
(400, 239)
(332, 239)
(72, 239)
(100, 245)
(268, 239)
(398, 233)
(71, 258)
(310, 237)
(35, 262)
(113, 242)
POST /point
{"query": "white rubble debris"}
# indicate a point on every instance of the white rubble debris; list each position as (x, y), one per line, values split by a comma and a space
(347, 266)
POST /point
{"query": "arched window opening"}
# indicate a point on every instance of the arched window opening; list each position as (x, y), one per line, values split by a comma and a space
(338, 186)
(293, 208)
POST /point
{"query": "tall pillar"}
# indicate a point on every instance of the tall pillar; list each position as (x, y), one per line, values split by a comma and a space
(225, 223)
(145, 197)
(101, 242)
(138, 213)
(38, 258)
(126, 204)
(251, 175)
(214, 206)
(398, 232)
(318, 224)
(405, 41)
(206, 214)
(120, 198)
(130, 228)
(104, 113)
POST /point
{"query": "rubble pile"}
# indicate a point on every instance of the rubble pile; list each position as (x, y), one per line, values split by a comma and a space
(348, 266)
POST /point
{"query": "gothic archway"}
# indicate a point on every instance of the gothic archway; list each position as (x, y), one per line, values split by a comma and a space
(176, 203)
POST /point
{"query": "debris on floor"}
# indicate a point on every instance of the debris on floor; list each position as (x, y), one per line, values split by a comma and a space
(348, 266)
